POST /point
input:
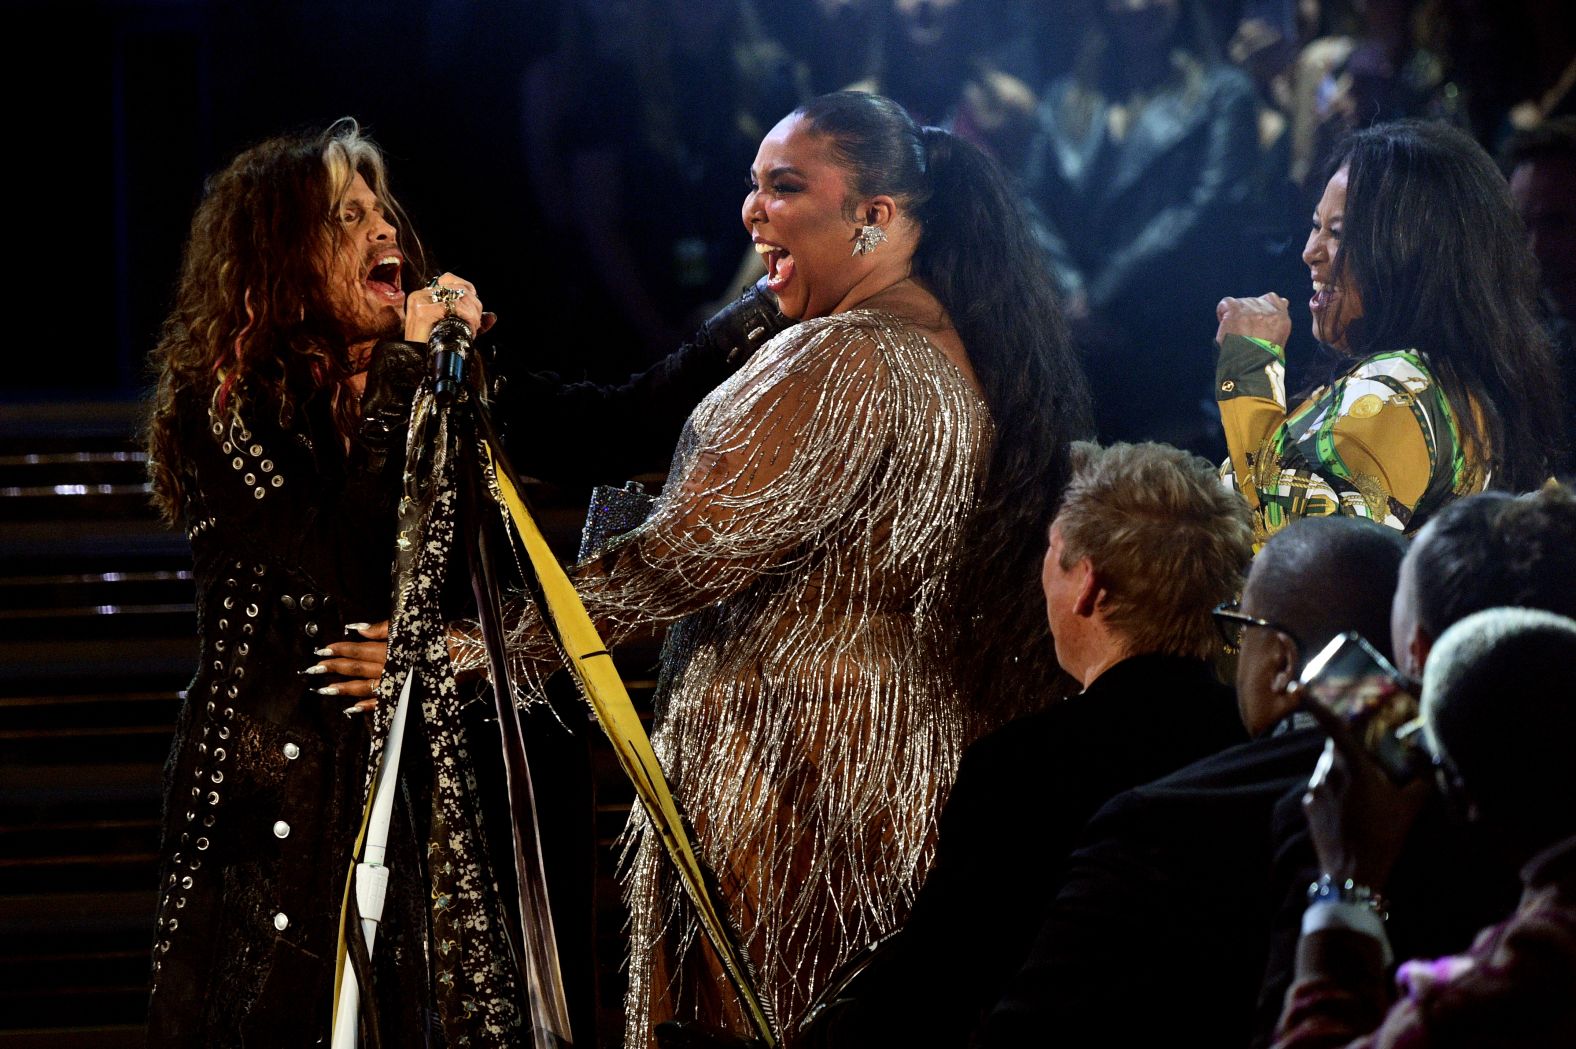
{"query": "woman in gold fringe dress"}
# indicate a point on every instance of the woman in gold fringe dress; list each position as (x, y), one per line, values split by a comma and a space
(847, 548)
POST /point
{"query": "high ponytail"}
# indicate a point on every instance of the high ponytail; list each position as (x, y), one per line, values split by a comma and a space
(977, 256)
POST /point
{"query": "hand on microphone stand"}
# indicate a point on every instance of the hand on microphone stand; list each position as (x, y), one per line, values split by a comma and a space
(447, 315)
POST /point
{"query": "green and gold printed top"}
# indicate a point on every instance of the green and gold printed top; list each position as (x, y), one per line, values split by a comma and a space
(1379, 442)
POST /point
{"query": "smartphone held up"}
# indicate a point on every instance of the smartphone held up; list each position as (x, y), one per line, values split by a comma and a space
(1378, 703)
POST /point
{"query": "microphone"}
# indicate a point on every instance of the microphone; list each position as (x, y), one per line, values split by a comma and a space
(449, 346)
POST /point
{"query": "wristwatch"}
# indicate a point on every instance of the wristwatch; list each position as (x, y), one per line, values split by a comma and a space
(1344, 890)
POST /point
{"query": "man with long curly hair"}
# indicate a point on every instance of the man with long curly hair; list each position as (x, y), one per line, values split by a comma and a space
(277, 404)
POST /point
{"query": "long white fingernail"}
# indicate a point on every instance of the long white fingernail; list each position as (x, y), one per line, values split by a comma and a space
(351, 712)
(322, 651)
(317, 668)
(328, 690)
(357, 627)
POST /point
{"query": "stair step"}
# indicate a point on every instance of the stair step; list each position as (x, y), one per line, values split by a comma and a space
(75, 502)
(87, 874)
(103, 1036)
(45, 666)
(146, 744)
(81, 956)
(86, 716)
(96, 622)
(27, 595)
(45, 921)
(141, 542)
(33, 1007)
(118, 466)
(39, 786)
(69, 426)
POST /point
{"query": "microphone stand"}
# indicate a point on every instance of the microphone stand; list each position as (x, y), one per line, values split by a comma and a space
(443, 462)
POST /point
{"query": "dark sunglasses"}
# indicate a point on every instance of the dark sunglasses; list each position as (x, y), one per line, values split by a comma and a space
(1231, 621)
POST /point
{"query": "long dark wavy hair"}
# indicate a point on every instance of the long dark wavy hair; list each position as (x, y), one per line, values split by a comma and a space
(976, 255)
(253, 319)
(1433, 244)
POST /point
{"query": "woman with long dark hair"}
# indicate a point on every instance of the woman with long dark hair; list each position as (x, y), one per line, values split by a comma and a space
(1424, 287)
(849, 541)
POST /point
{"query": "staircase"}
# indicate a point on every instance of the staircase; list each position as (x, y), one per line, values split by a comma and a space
(97, 636)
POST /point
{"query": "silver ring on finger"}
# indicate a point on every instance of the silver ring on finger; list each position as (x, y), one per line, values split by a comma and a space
(442, 293)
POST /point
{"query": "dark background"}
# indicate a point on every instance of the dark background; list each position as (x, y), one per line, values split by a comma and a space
(125, 108)
(525, 139)
(119, 111)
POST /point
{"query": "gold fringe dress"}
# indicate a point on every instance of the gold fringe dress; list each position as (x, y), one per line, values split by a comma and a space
(809, 715)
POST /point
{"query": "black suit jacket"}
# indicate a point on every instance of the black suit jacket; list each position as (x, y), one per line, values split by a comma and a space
(1160, 932)
(1021, 798)
(1179, 917)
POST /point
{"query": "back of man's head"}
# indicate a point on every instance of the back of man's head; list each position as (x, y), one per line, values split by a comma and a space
(1168, 541)
(1488, 551)
(1499, 709)
(1315, 578)
(1322, 576)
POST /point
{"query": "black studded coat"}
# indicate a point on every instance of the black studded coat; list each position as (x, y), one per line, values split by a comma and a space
(291, 538)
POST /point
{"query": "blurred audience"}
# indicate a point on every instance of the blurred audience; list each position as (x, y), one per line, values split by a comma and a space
(1144, 163)
(1507, 63)
(1542, 167)
(957, 64)
(670, 101)
(1498, 715)
(1166, 173)
(1488, 550)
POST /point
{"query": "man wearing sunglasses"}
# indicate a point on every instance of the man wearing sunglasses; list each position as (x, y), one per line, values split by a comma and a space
(1495, 698)
(1140, 644)
(1487, 551)
(1325, 580)
(1162, 923)
(1498, 717)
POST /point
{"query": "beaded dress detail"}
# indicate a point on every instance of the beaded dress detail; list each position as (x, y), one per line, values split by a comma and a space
(810, 717)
